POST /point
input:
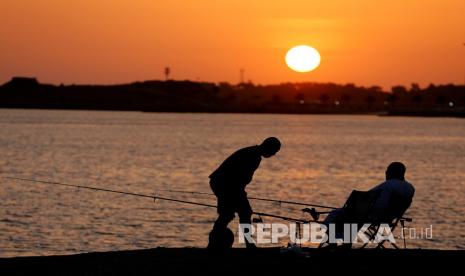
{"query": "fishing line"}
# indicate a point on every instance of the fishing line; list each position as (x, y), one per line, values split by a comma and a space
(254, 198)
(154, 197)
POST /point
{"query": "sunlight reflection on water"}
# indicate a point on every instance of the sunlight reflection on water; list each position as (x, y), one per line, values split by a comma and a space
(322, 159)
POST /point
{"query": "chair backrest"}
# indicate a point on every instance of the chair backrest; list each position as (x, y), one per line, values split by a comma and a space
(358, 205)
(397, 207)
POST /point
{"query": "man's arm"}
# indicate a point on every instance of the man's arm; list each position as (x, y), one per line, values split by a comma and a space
(381, 205)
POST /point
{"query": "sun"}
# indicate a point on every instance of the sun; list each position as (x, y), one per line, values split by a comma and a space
(303, 58)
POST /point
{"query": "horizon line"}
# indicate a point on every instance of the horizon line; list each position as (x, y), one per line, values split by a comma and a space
(230, 83)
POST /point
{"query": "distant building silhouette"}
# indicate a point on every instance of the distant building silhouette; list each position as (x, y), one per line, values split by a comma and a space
(167, 73)
(22, 82)
(241, 72)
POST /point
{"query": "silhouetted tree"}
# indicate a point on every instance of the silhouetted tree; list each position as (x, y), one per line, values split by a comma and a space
(299, 97)
(392, 99)
(414, 87)
(350, 87)
(399, 89)
(376, 88)
(417, 99)
(370, 99)
(225, 86)
(324, 98)
(431, 87)
(276, 98)
(441, 100)
(231, 97)
(345, 98)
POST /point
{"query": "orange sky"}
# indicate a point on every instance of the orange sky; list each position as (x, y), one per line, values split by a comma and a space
(366, 42)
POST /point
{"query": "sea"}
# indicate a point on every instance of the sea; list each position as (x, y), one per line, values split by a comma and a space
(322, 159)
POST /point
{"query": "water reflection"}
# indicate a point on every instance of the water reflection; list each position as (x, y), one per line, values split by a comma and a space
(322, 159)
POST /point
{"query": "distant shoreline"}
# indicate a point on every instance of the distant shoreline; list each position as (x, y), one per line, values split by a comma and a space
(247, 98)
(381, 114)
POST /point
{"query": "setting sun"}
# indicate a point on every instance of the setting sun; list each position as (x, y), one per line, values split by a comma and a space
(303, 58)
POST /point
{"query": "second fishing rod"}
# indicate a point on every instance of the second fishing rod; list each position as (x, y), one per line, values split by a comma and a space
(251, 197)
(154, 197)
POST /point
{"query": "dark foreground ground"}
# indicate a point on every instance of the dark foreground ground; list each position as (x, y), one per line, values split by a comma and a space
(195, 261)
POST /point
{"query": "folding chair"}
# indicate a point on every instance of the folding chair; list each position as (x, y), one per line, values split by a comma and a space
(395, 215)
(357, 210)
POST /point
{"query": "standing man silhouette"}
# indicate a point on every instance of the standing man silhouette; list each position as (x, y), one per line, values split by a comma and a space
(228, 183)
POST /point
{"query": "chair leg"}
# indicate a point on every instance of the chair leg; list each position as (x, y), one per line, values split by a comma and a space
(364, 245)
(381, 244)
(371, 234)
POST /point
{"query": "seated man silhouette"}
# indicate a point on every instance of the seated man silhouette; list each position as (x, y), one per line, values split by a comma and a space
(228, 183)
(393, 194)
(391, 199)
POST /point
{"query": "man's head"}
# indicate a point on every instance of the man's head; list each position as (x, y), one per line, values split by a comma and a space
(270, 146)
(395, 170)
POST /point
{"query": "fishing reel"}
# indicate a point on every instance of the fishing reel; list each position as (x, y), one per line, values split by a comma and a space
(257, 220)
(403, 220)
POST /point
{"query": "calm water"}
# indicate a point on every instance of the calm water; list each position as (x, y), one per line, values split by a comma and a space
(322, 159)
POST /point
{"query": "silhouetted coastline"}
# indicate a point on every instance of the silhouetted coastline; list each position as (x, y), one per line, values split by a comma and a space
(189, 96)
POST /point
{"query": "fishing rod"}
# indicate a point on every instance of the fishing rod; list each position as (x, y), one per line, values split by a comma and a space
(154, 197)
(254, 198)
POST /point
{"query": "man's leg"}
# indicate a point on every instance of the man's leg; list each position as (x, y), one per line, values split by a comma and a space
(223, 220)
(336, 217)
(245, 212)
(225, 209)
(220, 228)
